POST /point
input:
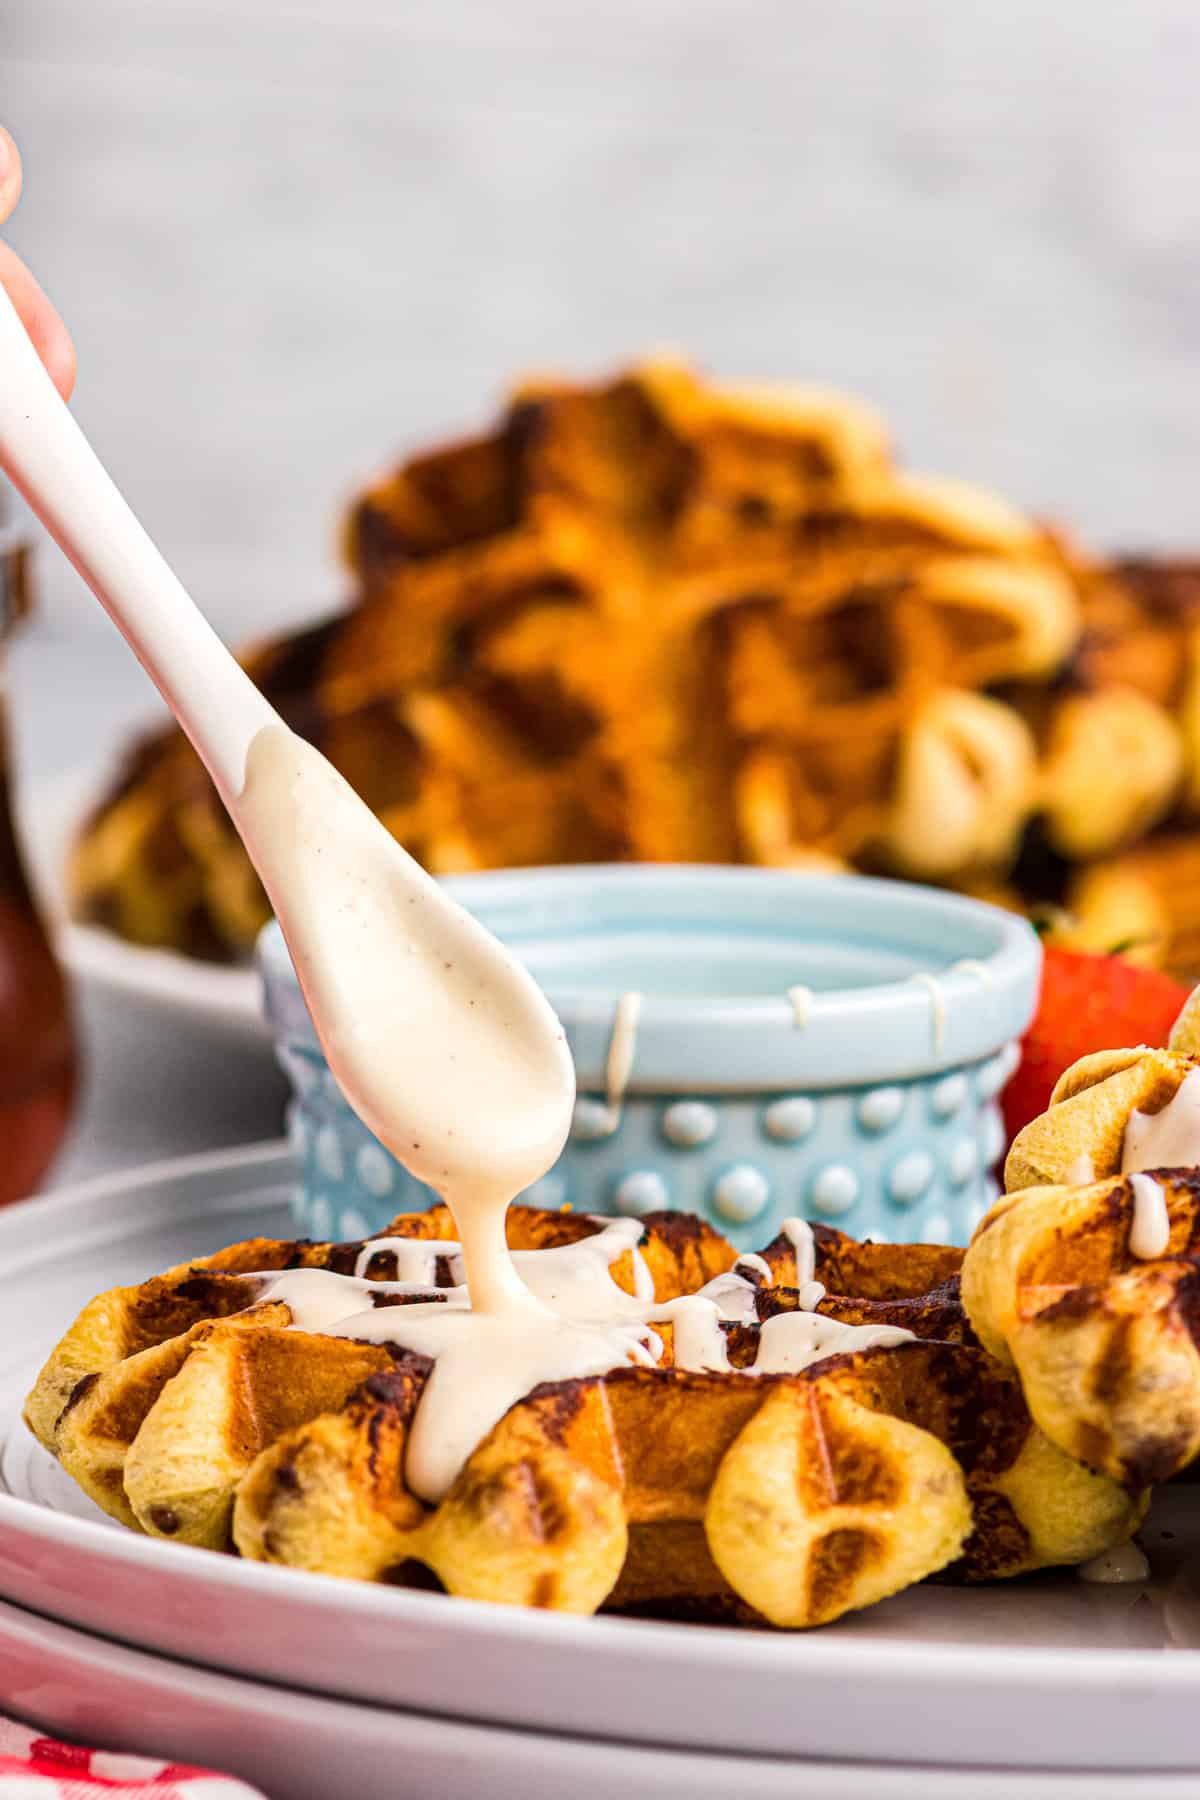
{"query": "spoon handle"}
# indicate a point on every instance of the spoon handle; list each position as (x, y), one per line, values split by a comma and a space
(46, 455)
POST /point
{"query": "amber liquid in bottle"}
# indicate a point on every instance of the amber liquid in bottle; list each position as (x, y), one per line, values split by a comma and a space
(37, 1044)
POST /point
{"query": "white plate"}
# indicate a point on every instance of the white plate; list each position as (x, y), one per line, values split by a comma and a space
(1045, 1672)
(304, 1747)
(210, 994)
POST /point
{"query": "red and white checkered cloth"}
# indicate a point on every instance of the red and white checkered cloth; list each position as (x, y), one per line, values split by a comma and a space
(34, 1767)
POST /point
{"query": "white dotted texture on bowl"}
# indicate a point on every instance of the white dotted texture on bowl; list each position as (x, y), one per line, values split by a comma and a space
(880, 1109)
(948, 1096)
(688, 1124)
(835, 1189)
(741, 1194)
(909, 1176)
(791, 1120)
(962, 1163)
(328, 1152)
(641, 1191)
(592, 1121)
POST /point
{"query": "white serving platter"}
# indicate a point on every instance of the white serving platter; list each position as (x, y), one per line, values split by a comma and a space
(297, 1746)
(210, 995)
(1047, 1673)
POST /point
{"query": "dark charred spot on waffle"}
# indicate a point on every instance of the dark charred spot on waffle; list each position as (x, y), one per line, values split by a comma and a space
(375, 1428)
(836, 1562)
(998, 1542)
(676, 1228)
(400, 1388)
(986, 1421)
(1076, 1304)
(748, 1273)
(343, 1258)
(561, 1404)
(80, 1391)
(1154, 1460)
(545, 1590)
(428, 1297)
(165, 1519)
(1112, 1366)
(298, 1256)
(412, 1574)
(206, 1295)
(286, 1479)
(741, 1342)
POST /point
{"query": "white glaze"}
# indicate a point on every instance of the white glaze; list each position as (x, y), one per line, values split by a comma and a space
(1150, 1229)
(572, 1278)
(1124, 1562)
(799, 1234)
(937, 1005)
(970, 965)
(800, 999)
(1081, 1172)
(573, 1321)
(622, 1048)
(1170, 1138)
(793, 1341)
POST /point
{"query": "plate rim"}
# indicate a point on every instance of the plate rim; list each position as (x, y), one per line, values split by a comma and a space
(90, 1655)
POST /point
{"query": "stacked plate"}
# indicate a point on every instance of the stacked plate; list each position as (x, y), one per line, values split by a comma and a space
(313, 1687)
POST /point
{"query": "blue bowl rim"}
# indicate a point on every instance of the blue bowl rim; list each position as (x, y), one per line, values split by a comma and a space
(747, 1044)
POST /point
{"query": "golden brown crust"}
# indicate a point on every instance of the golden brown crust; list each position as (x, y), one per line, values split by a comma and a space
(1105, 1344)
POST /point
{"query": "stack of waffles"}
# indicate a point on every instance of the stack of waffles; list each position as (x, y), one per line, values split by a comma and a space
(661, 620)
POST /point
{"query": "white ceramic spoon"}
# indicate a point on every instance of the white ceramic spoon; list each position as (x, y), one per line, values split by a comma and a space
(440, 1041)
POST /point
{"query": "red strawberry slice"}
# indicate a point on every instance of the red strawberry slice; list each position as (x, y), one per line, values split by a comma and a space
(1087, 1003)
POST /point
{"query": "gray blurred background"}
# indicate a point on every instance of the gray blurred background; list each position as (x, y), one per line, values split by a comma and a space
(293, 237)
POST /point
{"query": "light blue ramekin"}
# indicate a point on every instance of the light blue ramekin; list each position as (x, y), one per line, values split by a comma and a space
(877, 1114)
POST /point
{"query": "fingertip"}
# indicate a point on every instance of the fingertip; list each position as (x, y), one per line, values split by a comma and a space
(60, 360)
(10, 174)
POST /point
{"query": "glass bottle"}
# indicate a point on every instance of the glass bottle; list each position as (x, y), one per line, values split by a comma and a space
(37, 1044)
